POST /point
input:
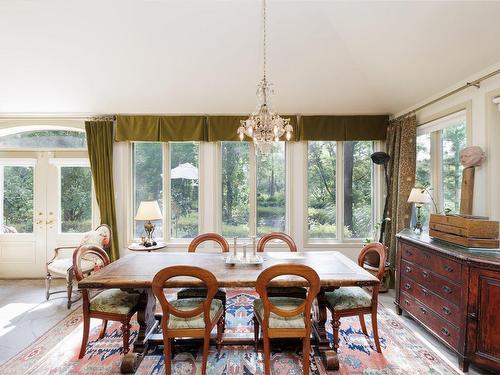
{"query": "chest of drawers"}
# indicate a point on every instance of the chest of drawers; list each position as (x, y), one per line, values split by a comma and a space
(454, 293)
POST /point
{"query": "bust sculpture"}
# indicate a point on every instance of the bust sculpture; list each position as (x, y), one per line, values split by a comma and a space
(472, 156)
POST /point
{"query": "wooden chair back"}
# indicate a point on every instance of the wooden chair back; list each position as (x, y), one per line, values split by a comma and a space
(277, 270)
(378, 248)
(168, 309)
(88, 252)
(198, 240)
(276, 236)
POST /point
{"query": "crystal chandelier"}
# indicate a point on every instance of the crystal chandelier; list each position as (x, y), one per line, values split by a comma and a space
(265, 126)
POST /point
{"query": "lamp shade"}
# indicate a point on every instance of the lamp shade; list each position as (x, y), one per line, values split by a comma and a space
(148, 210)
(418, 195)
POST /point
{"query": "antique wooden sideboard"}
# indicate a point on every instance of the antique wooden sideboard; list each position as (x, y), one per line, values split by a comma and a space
(454, 292)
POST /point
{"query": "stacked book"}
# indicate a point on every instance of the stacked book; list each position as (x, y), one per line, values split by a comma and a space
(464, 230)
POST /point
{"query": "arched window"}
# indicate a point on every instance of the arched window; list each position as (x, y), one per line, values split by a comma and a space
(44, 137)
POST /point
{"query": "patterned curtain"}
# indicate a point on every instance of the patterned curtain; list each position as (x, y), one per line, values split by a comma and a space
(401, 146)
(100, 148)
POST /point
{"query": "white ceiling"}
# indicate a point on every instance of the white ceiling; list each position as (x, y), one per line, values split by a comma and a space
(203, 56)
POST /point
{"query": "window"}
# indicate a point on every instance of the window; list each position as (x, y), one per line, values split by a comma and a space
(179, 182)
(17, 198)
(75, 199)
(253, 189)
(340, 190)
(43, 139)
(438, 161)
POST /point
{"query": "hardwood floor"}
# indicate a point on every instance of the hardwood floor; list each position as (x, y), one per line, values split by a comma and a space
(25, 315)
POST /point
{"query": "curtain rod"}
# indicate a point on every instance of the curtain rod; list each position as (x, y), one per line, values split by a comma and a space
(72, 116)
(476, 83)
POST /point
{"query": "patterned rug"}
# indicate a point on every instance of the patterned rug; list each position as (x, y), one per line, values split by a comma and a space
(56, 352)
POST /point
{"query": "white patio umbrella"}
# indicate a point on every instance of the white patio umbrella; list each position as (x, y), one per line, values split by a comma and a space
(186, 171)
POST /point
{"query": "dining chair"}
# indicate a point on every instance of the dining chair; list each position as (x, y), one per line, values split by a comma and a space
(202, 292)
(282, 317)
(110, 304)
(296, 292)
(189, 317)
(352, 301)
(62, 263)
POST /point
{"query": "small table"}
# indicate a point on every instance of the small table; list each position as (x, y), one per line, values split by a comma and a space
(139, 247)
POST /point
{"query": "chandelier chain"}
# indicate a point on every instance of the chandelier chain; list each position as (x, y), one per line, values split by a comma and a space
(264, 37)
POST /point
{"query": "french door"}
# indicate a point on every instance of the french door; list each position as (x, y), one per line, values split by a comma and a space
(46, 201)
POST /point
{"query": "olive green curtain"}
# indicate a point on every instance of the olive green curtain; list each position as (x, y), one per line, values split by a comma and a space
(160, 128)
(100, 148)
(401, 146)
(224, 128)
(343, 128)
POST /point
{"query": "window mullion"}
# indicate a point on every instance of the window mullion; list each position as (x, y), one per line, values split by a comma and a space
(253, 190)
(340, 191)
(167, 210)
(436, 172)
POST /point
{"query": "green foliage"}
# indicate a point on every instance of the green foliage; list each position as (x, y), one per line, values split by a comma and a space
(18, 198)
(76, 199)
(322, 163)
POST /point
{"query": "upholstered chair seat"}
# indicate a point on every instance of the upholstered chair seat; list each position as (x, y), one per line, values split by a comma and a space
(348, 298)
(285, 303)
(188, 304)
(114, 301)
(201, 293)
(61, 266)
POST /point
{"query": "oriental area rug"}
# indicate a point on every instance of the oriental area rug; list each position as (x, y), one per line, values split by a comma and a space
(56, 352)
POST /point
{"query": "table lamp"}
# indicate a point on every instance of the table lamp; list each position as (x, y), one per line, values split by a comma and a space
(418, 196)
(147, 211)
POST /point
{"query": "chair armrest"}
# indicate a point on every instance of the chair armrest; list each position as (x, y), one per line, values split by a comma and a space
(61, 249)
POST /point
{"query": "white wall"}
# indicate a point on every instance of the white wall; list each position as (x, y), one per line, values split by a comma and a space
(484, 130)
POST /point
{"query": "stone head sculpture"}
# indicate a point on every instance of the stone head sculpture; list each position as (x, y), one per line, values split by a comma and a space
(472, 156)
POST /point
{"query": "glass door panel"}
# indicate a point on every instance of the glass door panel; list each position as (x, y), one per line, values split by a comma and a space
(17, 200)
(75, 199)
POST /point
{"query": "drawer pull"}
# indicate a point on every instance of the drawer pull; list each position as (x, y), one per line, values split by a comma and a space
(448, 268)
(447, 289)
(408, 269)
(446, 310)
(425, 274)
(427, 256)
(425, 292)
(424, 311)
(409, 252)
(406, 302)
(407, 286)
(445, 332)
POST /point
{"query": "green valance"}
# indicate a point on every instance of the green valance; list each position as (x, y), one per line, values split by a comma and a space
(343, 128)
(223, 128)
(160, 128)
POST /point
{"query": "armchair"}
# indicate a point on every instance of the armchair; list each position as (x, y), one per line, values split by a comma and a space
(62, 262)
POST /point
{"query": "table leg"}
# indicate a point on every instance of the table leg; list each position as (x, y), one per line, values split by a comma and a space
(328, 356)
(147, 325)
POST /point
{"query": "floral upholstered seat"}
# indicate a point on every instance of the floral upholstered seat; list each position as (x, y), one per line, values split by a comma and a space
(285, 303)
(346, 298)
(114, 301)
(188, 304)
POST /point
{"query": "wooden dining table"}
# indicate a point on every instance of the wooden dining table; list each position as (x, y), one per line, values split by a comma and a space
(135, 272)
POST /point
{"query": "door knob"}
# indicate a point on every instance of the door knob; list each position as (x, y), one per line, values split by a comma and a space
(39, 222)
(50, 222)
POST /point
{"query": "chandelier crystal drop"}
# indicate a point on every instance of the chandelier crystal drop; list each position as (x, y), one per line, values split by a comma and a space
(265, 126)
